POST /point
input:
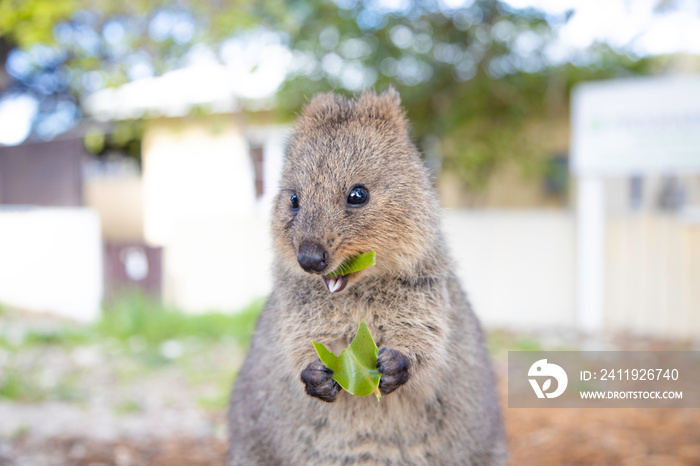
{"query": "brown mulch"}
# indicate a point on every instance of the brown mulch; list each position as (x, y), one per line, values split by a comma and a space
(668, 437)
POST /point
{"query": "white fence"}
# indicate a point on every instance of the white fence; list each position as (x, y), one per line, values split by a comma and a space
(653, 275)
(518, 267)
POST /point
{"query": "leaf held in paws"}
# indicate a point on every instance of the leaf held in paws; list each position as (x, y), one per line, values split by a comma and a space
(355, 369)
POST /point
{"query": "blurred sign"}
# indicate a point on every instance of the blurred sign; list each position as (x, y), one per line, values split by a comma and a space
(636, 126)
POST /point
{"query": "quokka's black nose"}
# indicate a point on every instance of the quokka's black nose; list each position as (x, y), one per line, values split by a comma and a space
(312, 257)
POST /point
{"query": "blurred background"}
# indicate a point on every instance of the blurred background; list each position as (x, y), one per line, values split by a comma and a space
(141, 144)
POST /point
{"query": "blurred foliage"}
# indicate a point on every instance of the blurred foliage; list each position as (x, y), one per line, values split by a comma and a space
(471, 77)
(474, 77)
(121, 138)
(29, 22)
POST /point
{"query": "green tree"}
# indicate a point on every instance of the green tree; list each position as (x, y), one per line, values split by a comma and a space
(472, 78)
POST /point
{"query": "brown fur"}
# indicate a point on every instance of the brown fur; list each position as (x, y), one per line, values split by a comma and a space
(447, 413)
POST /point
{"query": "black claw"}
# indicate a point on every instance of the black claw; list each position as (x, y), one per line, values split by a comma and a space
(394, 367)
(319, 382)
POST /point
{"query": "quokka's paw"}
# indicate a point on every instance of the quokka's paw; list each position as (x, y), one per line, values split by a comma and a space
(319, 382)
(394, 367)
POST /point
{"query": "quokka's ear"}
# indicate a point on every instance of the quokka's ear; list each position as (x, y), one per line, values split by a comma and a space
(392, 96)
(322, 106)
(385, 106)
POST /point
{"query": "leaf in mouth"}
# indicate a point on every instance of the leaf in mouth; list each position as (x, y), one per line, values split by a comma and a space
(354, 264)
(355, 369)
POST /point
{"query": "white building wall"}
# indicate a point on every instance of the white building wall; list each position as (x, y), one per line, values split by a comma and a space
(51, 261)
(193, 171)
(119, 202)
(200, 205)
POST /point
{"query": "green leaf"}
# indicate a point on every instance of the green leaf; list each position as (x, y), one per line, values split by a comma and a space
(355, 369)
(354, 264)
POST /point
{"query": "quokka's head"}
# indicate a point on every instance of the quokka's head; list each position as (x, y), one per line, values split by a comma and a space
(353, 182)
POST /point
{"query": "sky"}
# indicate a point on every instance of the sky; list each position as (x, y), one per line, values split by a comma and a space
(621, 23)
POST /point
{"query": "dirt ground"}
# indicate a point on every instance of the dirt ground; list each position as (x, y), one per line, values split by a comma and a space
(659, 437)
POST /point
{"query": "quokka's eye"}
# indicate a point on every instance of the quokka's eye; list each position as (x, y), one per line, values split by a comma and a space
(294, 202)
(358, 196)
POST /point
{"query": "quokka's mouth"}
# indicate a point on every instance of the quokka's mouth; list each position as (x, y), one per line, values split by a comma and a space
(338, 279)
(335, 284)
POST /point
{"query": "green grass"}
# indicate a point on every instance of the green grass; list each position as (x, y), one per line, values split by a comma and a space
(133, 330)
(136, 315)
(499, 342)
(12, 385)
(16, 386)
(128, 407)
(21, 431)
(65, 335)
(24, 386)
(67, 389)
(217, 402)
